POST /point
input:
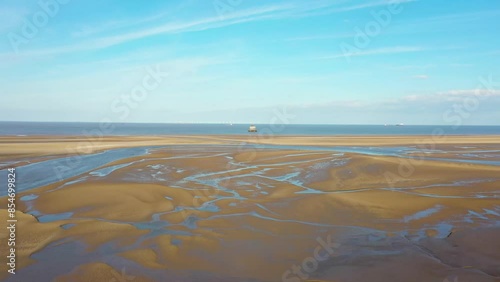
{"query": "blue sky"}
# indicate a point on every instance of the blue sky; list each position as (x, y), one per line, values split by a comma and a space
(324, 61)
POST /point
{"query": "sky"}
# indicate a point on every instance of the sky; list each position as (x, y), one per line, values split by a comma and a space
(251, 61)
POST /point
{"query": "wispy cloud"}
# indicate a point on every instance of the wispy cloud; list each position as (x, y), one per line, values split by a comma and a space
(372, 52)
(421, 76)
(470, 92)
(412, 67)
(320, 37)
(443, 23)
(449, 96)
(335, 9)
(128, 22)
(262, 13)
(88, 30)
(462, 17)
(438, 23)
(371, 4)
(270, 12)
(340, 9)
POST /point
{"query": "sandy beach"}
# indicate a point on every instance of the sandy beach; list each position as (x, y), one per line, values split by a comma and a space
(255, 208)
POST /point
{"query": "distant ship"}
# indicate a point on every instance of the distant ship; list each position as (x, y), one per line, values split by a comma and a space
(400, 124)
(252, 128)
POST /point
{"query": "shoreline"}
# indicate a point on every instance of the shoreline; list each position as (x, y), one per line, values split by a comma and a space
(264, 139)
(21, 148)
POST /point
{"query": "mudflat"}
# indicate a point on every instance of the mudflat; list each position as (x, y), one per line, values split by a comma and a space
(255, 208)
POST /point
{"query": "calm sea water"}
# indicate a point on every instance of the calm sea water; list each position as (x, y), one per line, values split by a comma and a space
(51, 128)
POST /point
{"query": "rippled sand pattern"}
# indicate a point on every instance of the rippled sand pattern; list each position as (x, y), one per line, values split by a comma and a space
(242, 213)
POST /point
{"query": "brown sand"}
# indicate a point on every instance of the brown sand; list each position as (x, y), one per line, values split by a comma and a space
(50, 145)
(270, 227)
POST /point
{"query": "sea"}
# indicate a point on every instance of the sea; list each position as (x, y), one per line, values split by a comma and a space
(124, 129)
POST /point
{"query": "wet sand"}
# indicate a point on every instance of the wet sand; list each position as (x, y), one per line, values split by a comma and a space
(44, 145)
(220, 208)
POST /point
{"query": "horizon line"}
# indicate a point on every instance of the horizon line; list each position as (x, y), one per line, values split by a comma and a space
(248, 123)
